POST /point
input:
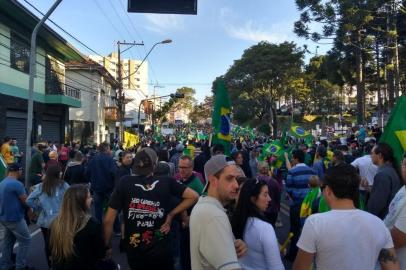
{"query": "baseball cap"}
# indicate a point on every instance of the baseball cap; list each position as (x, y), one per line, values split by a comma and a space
(179, 147)
(14, 167)
(215, 164)
(145, 161)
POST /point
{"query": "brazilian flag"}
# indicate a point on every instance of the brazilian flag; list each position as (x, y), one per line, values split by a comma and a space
(298, 132)
(221, 117)
(395, 130)
(275, 148)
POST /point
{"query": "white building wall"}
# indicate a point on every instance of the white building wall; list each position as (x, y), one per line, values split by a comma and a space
(136, 88)
(92, 109)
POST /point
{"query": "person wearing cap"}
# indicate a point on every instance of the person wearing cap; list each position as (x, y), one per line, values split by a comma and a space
(145, 200)
(212, 244)
(175, 158)
(13, 226)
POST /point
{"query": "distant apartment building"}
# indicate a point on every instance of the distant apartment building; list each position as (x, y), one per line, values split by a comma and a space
(135, 83)
(178, 115)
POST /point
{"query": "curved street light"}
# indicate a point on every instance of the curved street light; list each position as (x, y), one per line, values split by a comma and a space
(166, 41)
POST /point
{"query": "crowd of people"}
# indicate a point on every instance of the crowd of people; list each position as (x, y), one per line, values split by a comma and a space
(203, 209)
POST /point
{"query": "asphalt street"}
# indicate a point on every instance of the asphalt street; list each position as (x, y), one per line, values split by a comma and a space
(36, 256)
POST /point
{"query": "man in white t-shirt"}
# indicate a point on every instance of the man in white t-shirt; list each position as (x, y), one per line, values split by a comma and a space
(212, 244)
(367, 169)
(395, 220)
(344, 238)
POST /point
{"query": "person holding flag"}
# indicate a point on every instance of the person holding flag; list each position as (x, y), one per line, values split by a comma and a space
(221, 117)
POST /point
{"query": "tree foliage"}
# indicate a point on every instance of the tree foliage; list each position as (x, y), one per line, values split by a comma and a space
(365, 37)
(187, 103)
(260, 78)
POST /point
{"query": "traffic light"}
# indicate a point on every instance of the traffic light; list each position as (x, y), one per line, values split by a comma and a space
(177, 95)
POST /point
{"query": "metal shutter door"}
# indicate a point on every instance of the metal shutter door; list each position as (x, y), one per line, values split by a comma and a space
(51, 131)
(17, 128)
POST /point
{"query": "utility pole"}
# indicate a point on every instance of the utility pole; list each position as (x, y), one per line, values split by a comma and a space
(33, 71)
(154, 108)
(121, 96)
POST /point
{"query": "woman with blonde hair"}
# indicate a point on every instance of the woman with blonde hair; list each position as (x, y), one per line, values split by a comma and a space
(76, 239)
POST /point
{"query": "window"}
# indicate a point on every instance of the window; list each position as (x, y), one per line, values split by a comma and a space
(19, 53)
(54, 77)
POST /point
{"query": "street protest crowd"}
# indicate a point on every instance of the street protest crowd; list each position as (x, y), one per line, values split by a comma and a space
(185, 204)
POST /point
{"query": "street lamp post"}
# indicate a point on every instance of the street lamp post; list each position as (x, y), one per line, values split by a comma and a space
(166, 41)
(33, 70)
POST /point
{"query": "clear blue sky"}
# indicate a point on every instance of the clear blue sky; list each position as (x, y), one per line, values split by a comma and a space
(204, 45)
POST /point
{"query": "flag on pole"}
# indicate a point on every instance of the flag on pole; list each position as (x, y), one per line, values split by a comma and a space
(395, 130)
(221, 117)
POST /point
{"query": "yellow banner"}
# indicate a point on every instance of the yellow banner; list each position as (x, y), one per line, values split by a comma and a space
(309, 117)
(130, 139)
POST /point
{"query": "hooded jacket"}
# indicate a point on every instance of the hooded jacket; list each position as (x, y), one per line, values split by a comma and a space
(75, 173)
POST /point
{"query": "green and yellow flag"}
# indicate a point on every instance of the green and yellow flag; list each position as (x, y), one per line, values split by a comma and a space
(395, 130)
(221, 117)
(275, 148)
(298, 132)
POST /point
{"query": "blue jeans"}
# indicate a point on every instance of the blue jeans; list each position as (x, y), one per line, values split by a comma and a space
(101, 200)
(13, 231)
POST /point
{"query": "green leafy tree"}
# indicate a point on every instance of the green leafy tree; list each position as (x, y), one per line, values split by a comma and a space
(260, 78)
(345, 22)
(187, 102)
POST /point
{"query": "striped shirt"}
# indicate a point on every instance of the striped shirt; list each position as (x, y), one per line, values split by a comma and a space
(297, 182)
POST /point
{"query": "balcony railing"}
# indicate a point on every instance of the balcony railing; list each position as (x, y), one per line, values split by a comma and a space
(72, 92)
(111, 113)
(62, 89)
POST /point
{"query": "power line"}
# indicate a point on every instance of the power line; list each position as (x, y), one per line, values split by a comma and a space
(86, 46)
(139, 35)
(66, 32)
(129, 19)
(71, 86)
(108, 19)
(76, 39)
(92, 90)
(7, 47)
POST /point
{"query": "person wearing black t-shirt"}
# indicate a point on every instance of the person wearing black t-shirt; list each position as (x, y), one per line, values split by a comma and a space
(145, 200)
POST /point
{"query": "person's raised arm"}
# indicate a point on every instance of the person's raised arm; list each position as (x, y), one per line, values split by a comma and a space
(287, 162)
(189, 197)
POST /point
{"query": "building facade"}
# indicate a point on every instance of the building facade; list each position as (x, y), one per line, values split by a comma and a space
(52, 96)
(135, 83)
(97, 120)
